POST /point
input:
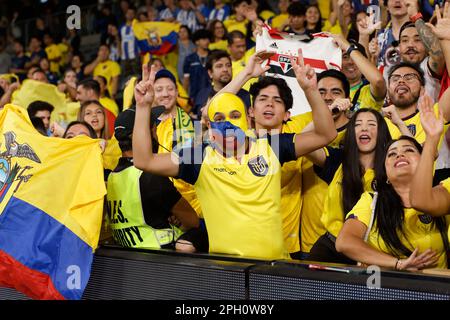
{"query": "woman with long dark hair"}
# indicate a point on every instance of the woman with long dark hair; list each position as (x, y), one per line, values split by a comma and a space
(313, 21)
(382, 229)
(349, 172)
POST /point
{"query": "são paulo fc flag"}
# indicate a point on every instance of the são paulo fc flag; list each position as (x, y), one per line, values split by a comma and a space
(320, 53)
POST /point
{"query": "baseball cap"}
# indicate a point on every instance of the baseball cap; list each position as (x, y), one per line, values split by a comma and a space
(164, 73)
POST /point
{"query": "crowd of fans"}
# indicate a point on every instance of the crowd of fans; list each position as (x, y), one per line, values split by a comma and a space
(362, 178)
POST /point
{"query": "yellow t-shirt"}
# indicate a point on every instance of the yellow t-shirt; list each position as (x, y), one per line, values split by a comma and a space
(336, 29)
(108, 69)
(241, 199)
(53, 52)
(266, 15)
(165, 134)
(333, 211)
(314, 191)
(365, 99)
(239, 65)
(279, 21)
(418, 233)
(232, 24)
(324, 7)
(219, 45)
(291, 186)
(446, 185)
(64, 49)
(415, 126)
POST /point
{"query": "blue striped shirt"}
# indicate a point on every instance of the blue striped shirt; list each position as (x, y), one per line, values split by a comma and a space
(128, 43)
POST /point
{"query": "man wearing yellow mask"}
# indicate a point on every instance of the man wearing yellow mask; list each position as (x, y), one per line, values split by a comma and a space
(236, 177)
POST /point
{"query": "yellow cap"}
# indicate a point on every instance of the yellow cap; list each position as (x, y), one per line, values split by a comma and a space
(226, 103)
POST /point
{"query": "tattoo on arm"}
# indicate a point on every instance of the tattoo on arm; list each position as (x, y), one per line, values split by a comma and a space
(430, 41)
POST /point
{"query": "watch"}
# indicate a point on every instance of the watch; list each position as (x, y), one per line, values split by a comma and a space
(416, 17)
(351, 48)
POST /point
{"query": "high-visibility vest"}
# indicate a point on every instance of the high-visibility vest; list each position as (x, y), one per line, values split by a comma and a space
(126, 216)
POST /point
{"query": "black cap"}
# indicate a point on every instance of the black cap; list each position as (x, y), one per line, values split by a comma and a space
(124, 124)
(164, 73)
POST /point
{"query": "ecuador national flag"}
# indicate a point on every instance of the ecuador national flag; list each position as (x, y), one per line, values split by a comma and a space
(158, 38)
(32, 90)
(51, 204)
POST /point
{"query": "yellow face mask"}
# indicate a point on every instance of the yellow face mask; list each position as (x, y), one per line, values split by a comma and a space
(226, 103)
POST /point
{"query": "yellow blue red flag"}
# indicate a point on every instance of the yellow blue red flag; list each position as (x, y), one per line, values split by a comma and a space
(156, 37)
(51, 205)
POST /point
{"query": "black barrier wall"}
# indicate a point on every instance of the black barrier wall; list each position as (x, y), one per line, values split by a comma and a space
(136, 274)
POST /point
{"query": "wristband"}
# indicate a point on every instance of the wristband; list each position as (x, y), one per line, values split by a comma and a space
(416, 17)
(351, 48)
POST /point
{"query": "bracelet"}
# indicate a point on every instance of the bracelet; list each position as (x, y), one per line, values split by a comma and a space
(396, 264)
(416, 17)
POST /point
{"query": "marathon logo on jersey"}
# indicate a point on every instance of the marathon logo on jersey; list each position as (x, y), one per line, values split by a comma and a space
(412, 129)
(258, 166)
(281, 64)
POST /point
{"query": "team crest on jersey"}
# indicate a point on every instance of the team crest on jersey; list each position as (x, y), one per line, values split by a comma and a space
(425, 218)
(412, 129)
(9, 171)
(281, 64)
(258, 166)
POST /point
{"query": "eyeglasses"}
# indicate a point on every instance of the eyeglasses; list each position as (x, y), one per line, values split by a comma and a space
(409, 77)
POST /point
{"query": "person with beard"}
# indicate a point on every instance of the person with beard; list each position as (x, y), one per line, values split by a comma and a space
(238, 169)
(219, 70)
(405, 87)
(414, 51)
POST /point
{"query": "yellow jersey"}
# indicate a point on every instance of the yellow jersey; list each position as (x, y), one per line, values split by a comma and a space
(165, 133)
(108, 69)
(291, 186)
(232, 24)
(239, 65)
(280, 21)
(314, 191)
(365, 98)
(241, 199)
(419, 231)
(414, 125)
(446, 185)
(219, 45)
(333, 210)
(53, 52)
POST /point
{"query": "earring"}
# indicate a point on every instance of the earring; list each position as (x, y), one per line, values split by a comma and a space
(387, 181)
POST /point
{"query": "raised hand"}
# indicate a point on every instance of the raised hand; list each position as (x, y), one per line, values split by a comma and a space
(432, 125)
(306, 76)
(415, 261)
(143, 91)
(254, 67)
(342, 104)
(442, 28)
(340, 41)
(391, 113)
(368, 25)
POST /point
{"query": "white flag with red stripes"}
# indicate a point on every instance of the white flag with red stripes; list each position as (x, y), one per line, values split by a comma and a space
(320, 53)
